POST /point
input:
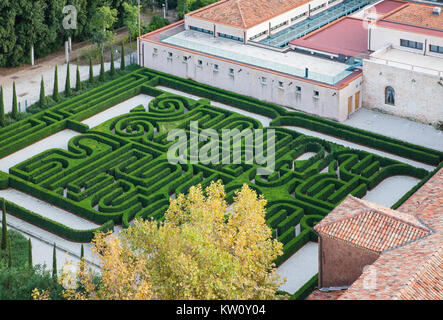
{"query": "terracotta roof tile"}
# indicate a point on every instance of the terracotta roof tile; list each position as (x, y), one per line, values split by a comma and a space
(246, 13)
(418, 15)
(371, 226)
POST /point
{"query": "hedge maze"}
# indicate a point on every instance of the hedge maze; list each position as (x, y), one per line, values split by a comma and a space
(119, 170)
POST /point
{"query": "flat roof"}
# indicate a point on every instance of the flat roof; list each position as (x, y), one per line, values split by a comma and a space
(347, 36)
(292, 63)
(406, 59)
(419, 15)
(245, 13)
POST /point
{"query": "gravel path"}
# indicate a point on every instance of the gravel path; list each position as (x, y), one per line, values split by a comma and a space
(119, 109)
(299, 268)
(58, 140)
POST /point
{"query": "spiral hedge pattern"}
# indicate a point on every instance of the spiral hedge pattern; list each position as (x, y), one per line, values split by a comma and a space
(119, 171)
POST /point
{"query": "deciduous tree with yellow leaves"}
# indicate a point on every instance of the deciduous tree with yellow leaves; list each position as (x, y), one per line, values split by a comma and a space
(204, 249)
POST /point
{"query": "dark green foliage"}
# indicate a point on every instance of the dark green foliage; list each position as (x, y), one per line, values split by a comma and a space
(55, 91)
(78, 83)
(82, 252)
(4, 240)
(306, 289)
(102, 69)
(2, 108)
(68, 81)
(14, 102)
(54, 262)
(42, 94)
(9, 255)
(91, 71)
(30, 264)
(122, 59)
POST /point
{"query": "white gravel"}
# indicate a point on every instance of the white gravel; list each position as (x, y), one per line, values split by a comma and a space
(398, 128)
(118, 110)
(58, 140)
(47, 210)
(299, 268)
(390, 190)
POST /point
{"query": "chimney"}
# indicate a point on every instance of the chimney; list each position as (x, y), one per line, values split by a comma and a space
(436, 11)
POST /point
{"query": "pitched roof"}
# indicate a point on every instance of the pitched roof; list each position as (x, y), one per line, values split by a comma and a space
(417, 15)
(245, 13)
(415, 270)
(370, 226)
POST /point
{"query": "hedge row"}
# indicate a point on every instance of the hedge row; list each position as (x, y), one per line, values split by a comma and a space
(56, 227)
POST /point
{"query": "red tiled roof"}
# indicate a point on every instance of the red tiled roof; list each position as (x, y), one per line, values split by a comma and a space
(427, 283)
(415, 270)
(245, 13)
(417, 15)
(371, 226)
(325, 295)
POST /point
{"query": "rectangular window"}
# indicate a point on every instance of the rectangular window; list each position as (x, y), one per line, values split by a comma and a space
(436, 49)
(155, 51)
(411, 44)
(258, 35)
(298, 89)
(279, 25)
(316, 94)
(201, 30)
(281, 84)
(215, 67)
(231, 71)
(263, 80)
(200, 63)
(185, 59)
(299, 16)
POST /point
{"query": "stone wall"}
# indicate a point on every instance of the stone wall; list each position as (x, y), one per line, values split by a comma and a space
(418, 95)
(340, 263)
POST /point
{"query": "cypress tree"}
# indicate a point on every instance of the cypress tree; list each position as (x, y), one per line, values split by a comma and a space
(30, 264)
(55, 93)
(91, 71)
(102, 69)
(14, 103)
(9, 255)
(78, 85)
(122, 62)
(42, 94)
(2, 109)
(4, 242)
(54, 263)
(82, 252)
(68, 82)
(112, 63)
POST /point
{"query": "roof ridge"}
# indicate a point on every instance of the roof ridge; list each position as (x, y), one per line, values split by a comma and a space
(241, 14)
(396, 215)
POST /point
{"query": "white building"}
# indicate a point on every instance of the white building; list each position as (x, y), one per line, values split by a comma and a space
(288, 52)
(404, 75)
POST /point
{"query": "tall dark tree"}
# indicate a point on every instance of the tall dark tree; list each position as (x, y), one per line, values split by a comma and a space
(91, 71)
(102, 69)
(2, 108)
(68, 81)
(54, 262)
(82, 252)
(78, 83)
(55, 91)
(122, 59)
(4, 243)
(30, 264)
(14, 102)
(42, 93)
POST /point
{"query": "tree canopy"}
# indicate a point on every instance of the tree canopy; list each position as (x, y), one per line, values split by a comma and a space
(203, 249)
